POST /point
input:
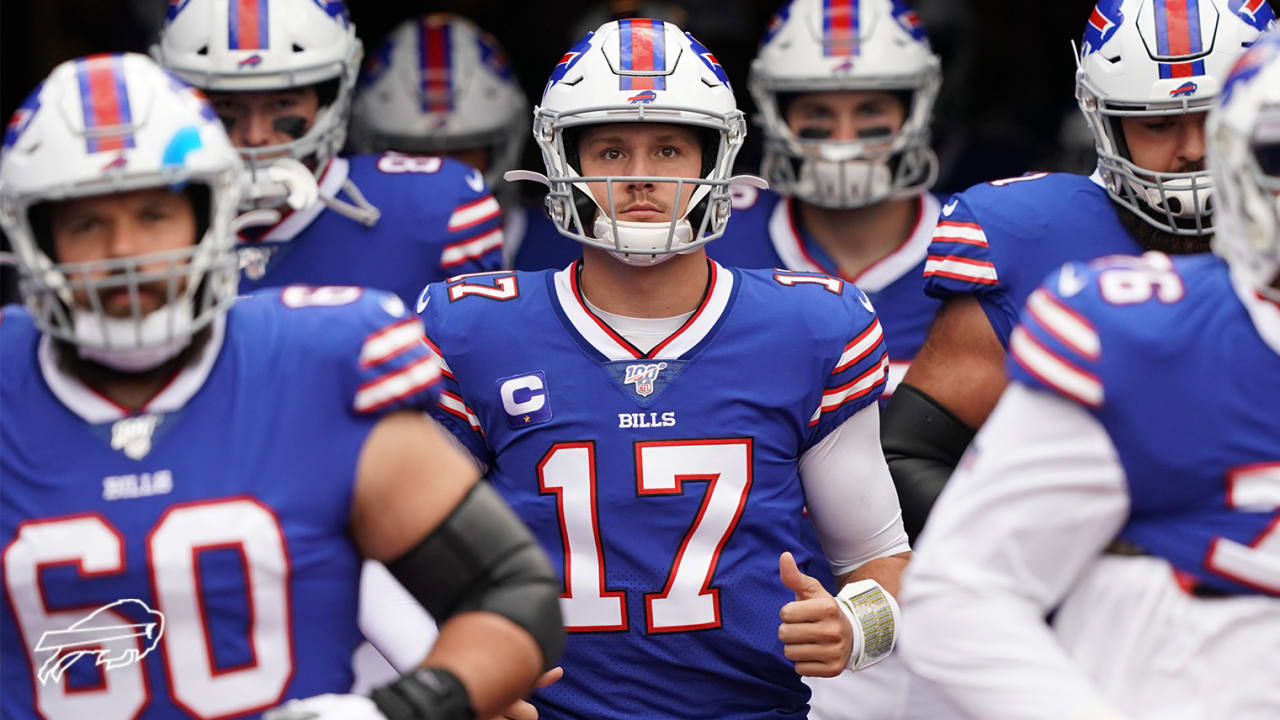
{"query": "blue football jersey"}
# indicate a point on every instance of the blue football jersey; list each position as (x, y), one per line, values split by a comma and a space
(763, 232)
(437, 220)
(533, 243)
(211, 526)
(1182, 368)
(663, 485)
(999, 240)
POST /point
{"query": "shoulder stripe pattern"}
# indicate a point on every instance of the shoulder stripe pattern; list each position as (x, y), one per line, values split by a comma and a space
(390, 342)
(960, 268)
(860, 347)
(444, 366)
(1065, 324)
(394, 386)
(1054, 371)
(474, 213)
(470, 249)
(964, 233)
(834, 398)
(454, 405)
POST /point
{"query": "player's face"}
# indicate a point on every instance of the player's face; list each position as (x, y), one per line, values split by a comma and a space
(109, 227)
(1170, 144)
(641, 149)
(260, 119)
(845, 115)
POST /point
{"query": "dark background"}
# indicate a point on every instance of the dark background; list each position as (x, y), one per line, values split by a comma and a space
(1008, 63)
(1007, 103)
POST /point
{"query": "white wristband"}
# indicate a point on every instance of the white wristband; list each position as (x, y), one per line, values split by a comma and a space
(874, 615)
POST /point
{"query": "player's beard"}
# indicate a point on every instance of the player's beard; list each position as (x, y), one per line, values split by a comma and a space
(1153, 238)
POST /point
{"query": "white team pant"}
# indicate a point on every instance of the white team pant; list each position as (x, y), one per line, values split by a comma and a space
(1157, 652)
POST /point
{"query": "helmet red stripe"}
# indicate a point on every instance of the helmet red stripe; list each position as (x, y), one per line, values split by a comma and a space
(104, 101)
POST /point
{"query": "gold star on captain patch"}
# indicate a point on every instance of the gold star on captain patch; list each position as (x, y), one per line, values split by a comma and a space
(526, 418)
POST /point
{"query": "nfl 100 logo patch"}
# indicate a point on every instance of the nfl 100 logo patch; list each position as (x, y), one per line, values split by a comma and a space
(643, 376)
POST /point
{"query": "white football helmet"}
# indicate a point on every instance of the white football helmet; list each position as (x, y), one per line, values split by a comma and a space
(1145, 58)
(638, 70)
(109, 124)
(439, 84)
(265, 45)
(853, 45)
(1244, 157)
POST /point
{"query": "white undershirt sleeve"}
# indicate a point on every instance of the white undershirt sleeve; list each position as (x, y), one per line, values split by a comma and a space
(850, 494)
(1035, 500)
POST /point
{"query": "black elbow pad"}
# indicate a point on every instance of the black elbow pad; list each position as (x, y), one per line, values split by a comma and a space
(922, 442)
(482, 557)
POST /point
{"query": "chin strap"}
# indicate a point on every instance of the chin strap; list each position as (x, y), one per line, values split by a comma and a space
(362, 211)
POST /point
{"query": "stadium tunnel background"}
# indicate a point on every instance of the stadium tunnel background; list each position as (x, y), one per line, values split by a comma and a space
(1007, 103)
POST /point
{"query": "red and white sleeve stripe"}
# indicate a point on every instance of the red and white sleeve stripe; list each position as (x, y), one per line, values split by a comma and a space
(961, 268)
(391, 342)
(834, 398)
(1055, 372)
(397, 385)
(474, 213)
(1068, 326)
(474, 248)
(964, 233)
(454, 405)
(860, 347)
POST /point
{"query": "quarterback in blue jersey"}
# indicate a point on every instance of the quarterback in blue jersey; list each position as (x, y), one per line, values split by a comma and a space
(997, 241)
(1129, 476)
(194, 481)
(661, 422)
(389, 221)
(846, 120)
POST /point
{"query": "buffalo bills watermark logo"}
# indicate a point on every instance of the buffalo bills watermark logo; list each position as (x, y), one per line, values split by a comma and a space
(643, 98)
(1186, 89)
(643, 377)
(252, 61)
(844, 67)
(100, 635)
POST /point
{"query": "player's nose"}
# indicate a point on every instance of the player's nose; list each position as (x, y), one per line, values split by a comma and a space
(255, 130)
(1191, 145)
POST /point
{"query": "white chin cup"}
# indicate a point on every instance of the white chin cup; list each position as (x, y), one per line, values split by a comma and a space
(642, 243)
(844, 183)
(1188, 204)
(129, 346)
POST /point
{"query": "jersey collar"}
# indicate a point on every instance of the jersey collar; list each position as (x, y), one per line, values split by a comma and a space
(799, 252)
(1264, 313)
(613, 347)
(96, 408)
(292, 224)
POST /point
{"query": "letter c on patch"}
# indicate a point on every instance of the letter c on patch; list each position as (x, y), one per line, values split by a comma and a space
(522, 395)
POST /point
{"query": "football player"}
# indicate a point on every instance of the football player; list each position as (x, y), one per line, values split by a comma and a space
(1129, 476)
(1148, 72)
(202, 476)
(440, 85)
(280, 75)
(661, 421)
(846, 90)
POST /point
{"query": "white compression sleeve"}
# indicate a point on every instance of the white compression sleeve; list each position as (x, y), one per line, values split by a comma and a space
(850, 494)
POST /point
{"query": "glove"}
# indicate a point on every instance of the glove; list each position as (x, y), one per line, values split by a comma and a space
(327, 707)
